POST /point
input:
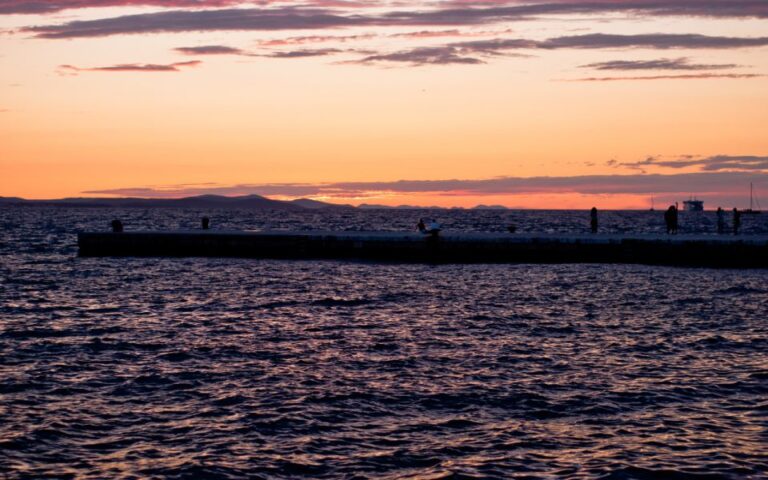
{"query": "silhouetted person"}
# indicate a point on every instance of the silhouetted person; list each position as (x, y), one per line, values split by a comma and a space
(117, 226)
(206, 223)
(421, 226)
(720, 221)
(670, 218)
(593, 220)
(674, 219)
(511, 228)
(736, 221)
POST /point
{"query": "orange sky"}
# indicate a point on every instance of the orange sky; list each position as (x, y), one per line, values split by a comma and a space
(125, 110)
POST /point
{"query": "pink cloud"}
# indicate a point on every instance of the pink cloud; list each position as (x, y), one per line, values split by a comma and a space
(44, 7)
(692, 76)
(129, 67)
(448, 33)
(314, 39)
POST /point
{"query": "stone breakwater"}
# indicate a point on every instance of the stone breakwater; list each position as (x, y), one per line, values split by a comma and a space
(682, 250)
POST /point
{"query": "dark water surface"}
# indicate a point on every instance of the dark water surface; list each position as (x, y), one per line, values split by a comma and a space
(227, 368)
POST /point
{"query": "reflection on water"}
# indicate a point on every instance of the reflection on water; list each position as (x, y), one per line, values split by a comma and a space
(226, 368)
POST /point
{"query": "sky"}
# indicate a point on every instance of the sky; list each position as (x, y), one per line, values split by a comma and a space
(526, 104)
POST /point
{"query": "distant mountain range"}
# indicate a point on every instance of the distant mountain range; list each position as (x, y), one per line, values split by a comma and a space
(246, 202)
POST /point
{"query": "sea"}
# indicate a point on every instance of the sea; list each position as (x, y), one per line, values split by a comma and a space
(213, 368)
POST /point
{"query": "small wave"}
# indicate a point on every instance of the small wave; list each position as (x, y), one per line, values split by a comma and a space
(279, 304)
(741, 290)
(638, 473)
(341, 302)
(39, 333)
(229, 400)
(178, 356)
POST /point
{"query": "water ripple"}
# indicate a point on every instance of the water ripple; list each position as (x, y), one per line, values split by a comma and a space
(226, 368)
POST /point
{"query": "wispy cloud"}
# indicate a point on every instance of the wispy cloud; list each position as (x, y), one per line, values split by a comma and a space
(449, 33)
(309, 52)
(129, 67)
(692, 76)
(656, 41)
(42, 7)
(715, 163)
(52, 6)
(210, 50)
(658, 64)
(474, 51)
(469, 13)
(424, 56)
(314, 39)
(224, 50)
(653, 41)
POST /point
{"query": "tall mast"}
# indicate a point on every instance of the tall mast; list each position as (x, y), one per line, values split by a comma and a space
(750, 195)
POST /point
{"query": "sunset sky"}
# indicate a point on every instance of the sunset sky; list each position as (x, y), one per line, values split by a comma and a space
(544, 104)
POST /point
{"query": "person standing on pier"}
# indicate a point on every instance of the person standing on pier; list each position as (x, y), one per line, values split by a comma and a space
(593, 220)
(674, 219)
(736, 221)
(720, 221)
(670, 218)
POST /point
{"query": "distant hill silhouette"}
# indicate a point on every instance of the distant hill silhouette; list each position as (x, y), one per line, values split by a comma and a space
(490, 207)
(246, 202)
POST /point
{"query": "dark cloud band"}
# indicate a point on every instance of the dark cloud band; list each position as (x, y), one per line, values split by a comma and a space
(53, 6)
(303, 18)
(456, 13)
(210, 50)
(658, 64)
(205, 20)
(641, 184)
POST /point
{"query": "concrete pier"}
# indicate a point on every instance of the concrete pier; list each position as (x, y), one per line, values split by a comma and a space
(683, 250)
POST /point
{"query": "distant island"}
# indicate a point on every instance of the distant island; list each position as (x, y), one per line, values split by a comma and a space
(245, 202)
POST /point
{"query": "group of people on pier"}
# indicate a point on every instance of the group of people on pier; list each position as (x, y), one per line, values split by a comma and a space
(721, 224)
(671, 220)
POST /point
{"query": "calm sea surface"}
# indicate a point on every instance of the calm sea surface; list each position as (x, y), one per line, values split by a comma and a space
(202, 368)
